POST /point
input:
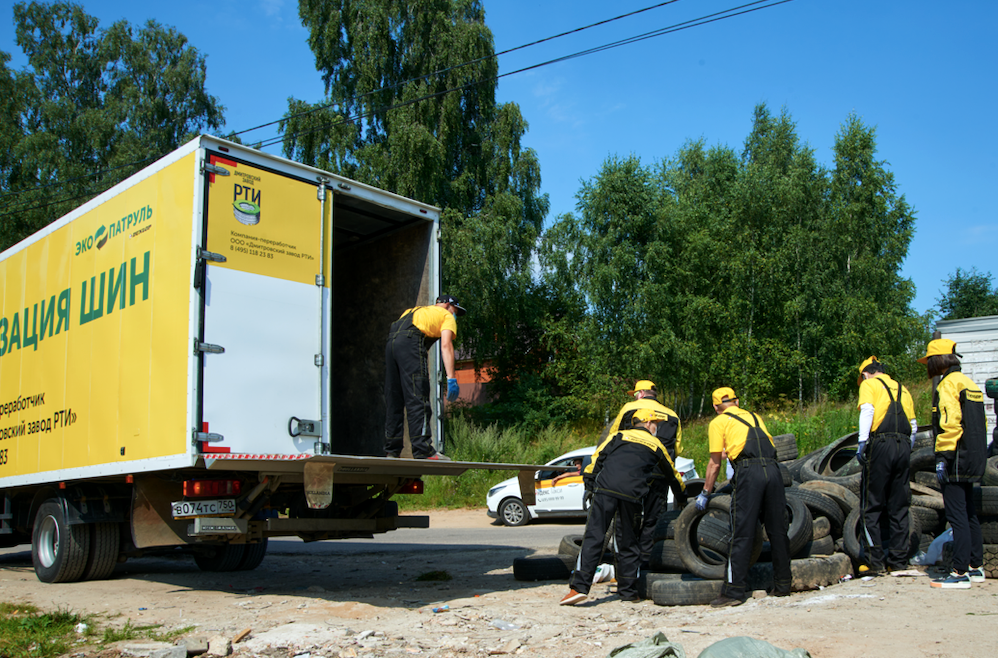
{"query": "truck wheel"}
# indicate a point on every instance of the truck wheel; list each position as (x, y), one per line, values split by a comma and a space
(104, 544)
(220, 558)
(513, 512)
(253, 555)
(58, 550)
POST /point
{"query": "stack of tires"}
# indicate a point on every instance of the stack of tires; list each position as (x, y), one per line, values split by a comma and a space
(688, 561)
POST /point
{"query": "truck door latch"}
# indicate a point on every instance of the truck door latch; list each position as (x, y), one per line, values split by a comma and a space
(208, 347)
(301, 427)
(207, 437)
(210, 256)
(208, 168)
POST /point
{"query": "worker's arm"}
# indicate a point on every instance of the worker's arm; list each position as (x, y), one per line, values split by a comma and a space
(447, 351)
(713, 468)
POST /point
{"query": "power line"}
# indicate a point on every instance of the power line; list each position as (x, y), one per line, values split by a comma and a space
(685, 25)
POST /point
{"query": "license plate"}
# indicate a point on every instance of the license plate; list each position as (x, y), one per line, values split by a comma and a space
(186, 508)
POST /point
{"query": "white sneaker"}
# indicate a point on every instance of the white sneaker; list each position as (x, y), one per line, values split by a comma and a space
(977, 575)
(954, 581)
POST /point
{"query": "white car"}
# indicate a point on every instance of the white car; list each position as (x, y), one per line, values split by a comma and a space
(561, 499)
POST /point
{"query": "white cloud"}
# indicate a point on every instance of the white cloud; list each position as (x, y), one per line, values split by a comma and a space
(272, 7)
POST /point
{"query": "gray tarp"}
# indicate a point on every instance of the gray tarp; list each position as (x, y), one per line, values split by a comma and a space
(749, 647)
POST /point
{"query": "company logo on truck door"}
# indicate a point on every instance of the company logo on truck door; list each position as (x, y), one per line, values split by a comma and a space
(246, 204)
(101, 235)
(45, 319)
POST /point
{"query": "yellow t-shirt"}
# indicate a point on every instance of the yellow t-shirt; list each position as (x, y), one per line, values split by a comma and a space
(873, 392)
(725, 434)
(432, 320)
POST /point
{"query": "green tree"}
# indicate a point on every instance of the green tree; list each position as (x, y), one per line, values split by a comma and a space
(91, 107)
(411, 107)
(968, 294)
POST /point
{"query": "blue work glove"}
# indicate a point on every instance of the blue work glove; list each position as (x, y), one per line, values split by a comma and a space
(701, 501)
(941, 472)
(453, 390)
(860, 457)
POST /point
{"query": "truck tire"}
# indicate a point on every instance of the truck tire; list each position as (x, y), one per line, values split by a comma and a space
(105, 541)
(820, 505)
(706, 565)
(687, 590)
(543, 567)
(665, 557)
(831, 458)
(58, 550)
(225, 557)
(253, 556)
(846, 499)
(513, 512)
(786, 447)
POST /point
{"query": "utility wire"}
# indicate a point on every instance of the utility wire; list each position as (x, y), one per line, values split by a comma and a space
(685, 25)
(703, 20)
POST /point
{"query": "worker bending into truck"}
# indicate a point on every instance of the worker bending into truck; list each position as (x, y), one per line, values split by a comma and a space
(757, 492)
(887, 429)
(961, 456)
(407, 378)
(619, 482)
(670, 433)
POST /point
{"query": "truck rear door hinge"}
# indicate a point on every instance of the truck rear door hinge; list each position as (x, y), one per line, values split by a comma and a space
(208, 168)
(301, 427)
(210, 256)
(207, 437)
(207, 347)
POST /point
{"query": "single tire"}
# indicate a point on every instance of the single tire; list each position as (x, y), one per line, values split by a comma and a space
(801, 524)
(820, 527)
(823, 546)
(58, 550)
(714, 532)
(685, 591)
(788, 479)
(648, 578)
(786, 447)
(224, 557)
(922, 490)
(821, 505)
(570, 545)
(253, 555)
(513, 512)
(929, 519)
(923, 459)
(665, 527)
(925, 437)
(797, 465)
(845, 498)
(986, 499)
(693, 487)
(834, 456)
(926, 479)
(665, 557)
(686, 526)
(989, 529)
(543, 567)
(105, 543)
(991, 560)
(850, 534)
(931, 502)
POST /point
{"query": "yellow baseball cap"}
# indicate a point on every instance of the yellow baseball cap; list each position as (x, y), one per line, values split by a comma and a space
(643, 385)
(723, 394)
(862, 367)
(644, 415)
(938, 347)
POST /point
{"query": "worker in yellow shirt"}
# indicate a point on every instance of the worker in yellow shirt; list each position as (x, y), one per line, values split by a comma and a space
(757, 493)
(887, 428)
(407, 378)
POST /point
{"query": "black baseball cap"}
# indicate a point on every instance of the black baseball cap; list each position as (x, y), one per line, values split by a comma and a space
(447, 299)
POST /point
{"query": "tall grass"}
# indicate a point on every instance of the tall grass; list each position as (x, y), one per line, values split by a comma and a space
(814, 426)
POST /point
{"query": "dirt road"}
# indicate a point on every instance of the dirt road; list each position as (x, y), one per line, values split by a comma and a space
(373, 605)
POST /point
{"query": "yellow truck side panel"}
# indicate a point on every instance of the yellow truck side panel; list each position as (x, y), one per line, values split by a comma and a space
(94, 345)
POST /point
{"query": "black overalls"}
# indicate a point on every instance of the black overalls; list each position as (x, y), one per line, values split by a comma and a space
(885, 488)
(758, 492)
(407, 387)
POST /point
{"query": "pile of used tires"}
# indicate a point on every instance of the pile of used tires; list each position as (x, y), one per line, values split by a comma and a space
(687, 564)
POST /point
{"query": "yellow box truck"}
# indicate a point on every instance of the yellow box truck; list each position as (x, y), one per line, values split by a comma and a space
(195, 358)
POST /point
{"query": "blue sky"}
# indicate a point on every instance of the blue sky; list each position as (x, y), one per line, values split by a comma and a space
(923, 73)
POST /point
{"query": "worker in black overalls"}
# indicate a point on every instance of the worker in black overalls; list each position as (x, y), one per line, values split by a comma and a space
(407, 378)
(757, 492)
(619, 483)
(887, 430)
(961, 458)
(670, 433)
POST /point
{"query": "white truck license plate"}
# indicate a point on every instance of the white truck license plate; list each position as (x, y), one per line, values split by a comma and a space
(187, 508)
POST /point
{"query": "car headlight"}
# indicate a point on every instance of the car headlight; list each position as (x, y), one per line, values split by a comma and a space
(494, 490)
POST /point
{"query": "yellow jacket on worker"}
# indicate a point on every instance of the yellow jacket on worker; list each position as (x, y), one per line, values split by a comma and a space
(879, 391)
